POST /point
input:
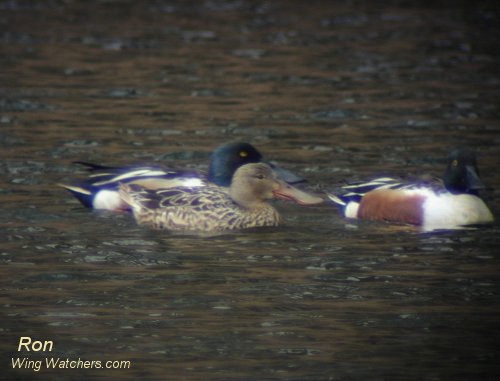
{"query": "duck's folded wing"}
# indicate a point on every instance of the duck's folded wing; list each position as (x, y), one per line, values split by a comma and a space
(189, 197)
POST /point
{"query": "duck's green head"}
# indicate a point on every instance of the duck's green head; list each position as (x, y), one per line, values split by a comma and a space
(228, 158)
(462, 175)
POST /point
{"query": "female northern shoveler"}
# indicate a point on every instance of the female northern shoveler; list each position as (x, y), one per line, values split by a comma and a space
(213, 208)
(100, 190)
(451, 203)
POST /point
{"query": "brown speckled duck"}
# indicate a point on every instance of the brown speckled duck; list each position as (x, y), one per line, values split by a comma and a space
(213, 208)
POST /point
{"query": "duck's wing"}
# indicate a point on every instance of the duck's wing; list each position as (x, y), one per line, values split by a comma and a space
(100, 189)
(152, 177)
(354, 191)
(196, 198)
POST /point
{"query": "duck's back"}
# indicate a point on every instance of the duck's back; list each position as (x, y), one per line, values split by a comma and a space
(188, 209)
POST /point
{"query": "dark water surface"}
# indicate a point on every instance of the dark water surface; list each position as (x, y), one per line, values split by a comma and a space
(331, 90)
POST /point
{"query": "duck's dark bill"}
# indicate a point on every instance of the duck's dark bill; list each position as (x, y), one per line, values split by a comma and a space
(285, 174)
(472, 180)
(289, 192)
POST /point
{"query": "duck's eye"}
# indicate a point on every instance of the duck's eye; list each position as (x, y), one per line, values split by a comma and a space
(260, 177)
(454, 163)
(243, 153)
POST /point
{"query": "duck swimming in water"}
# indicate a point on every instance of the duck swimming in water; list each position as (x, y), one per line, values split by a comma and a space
(213, 208)
(450, 203)
(100, 189)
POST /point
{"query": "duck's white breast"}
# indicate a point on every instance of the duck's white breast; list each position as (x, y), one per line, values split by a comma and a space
(448, 210)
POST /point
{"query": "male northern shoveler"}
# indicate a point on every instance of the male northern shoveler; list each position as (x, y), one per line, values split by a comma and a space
(100, 190)
(213, 208)
(450, 203)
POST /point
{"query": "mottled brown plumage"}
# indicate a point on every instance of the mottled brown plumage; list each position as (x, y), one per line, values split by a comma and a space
(214, 208)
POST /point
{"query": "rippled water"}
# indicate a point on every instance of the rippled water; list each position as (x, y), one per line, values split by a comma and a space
(331, 90)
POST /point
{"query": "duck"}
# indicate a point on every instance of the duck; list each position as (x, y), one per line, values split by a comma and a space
(212, 208)
(447, 203)
(101, 189)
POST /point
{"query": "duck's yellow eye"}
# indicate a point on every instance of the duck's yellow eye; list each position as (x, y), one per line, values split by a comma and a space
(454, 163)
(243, 153)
